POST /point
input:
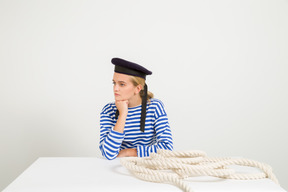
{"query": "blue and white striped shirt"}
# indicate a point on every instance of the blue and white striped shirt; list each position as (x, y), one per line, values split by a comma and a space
(157, 133)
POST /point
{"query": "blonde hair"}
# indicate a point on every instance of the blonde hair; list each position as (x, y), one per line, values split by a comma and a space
(140, 81)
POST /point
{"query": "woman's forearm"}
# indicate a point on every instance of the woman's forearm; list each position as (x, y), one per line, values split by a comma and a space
(128, 153)
(120, 124)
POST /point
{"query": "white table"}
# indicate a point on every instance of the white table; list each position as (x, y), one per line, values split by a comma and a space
(96, 174)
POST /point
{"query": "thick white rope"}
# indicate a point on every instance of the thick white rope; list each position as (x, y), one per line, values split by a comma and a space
(175, 166)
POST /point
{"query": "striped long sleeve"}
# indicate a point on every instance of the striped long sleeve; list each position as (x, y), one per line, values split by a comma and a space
(157, 133)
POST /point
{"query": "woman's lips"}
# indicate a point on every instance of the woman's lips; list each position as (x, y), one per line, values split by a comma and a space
(116, 94)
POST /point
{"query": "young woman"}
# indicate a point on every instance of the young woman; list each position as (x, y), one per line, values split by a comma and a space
(135, 124)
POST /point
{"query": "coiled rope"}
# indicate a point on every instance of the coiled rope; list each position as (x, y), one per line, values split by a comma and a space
(175, 166)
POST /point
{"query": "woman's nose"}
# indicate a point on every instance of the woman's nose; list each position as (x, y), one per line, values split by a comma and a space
(116, 87)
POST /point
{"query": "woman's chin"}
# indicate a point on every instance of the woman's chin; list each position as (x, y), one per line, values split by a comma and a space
(118, 98)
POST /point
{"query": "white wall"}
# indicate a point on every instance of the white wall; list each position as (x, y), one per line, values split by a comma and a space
(220, 67)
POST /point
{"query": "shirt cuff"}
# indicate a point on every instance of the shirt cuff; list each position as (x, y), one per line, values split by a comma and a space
(116, 136)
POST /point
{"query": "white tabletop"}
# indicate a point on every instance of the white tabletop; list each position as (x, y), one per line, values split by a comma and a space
(96, 174)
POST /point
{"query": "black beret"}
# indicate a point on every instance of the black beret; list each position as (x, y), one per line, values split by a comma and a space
(129, 68)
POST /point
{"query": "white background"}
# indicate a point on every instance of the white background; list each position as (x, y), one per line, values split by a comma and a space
(220, 67)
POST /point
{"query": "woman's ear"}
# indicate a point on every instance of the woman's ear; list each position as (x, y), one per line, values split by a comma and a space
(138, 89)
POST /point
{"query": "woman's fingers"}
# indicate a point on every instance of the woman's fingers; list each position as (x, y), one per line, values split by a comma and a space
(122, 106)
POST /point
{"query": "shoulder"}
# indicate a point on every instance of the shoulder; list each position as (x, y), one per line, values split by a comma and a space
(156, 102)
(158, 105)
(109, 108)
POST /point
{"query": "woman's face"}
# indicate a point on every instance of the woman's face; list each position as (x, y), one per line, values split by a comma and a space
(123, 87)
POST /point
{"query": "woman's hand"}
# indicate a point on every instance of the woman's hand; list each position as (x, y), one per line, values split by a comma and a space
(127, 153)
(122, 106)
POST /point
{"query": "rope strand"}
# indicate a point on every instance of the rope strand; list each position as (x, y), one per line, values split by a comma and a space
(175, 166)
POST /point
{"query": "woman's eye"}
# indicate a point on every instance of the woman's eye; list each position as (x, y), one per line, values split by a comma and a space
(122, 84)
